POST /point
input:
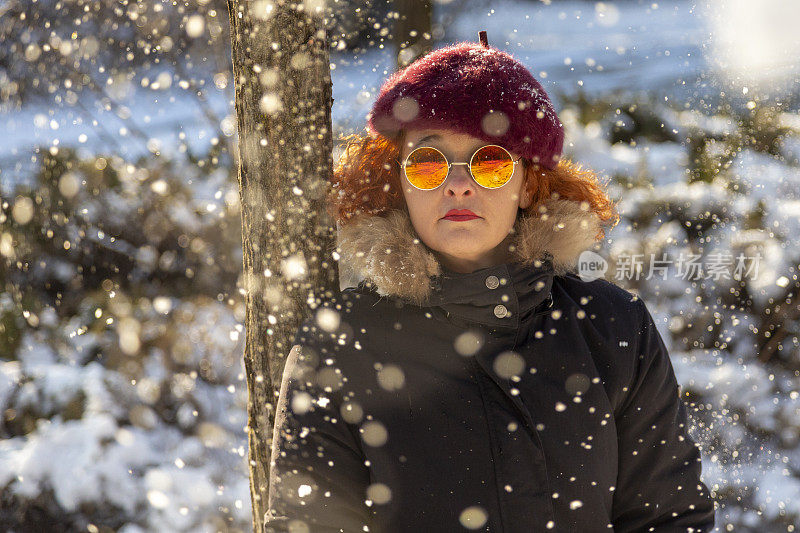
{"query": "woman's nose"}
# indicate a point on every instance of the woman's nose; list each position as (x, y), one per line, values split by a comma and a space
(459, 182)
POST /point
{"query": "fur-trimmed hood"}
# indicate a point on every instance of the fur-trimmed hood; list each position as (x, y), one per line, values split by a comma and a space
(386, 251)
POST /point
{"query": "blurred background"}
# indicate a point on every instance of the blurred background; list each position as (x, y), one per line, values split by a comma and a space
(122, 390)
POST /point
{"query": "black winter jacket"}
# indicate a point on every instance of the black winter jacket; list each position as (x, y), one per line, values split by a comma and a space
(517, 398)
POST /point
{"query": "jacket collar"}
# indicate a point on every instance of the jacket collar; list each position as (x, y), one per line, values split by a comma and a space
(387, 254)
(500, 296)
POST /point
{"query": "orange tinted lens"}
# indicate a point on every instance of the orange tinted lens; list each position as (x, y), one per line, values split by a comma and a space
(492, 166)
(426, 168)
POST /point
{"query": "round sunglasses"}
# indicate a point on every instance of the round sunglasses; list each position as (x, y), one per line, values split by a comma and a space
(491, 166)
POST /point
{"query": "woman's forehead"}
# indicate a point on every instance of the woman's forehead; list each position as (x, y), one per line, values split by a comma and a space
(440, 135)
(444, 137)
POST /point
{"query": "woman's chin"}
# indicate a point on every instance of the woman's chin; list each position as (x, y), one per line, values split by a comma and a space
(462, 250)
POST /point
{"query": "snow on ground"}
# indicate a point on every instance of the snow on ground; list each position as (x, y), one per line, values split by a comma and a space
(148, 468)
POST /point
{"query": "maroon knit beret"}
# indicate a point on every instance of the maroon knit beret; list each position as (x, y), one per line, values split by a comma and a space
(475, 89)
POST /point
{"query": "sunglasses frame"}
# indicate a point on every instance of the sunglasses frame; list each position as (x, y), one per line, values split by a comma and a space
(469, 166)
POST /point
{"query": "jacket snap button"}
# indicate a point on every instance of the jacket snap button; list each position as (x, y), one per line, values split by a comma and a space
(492, 282)
(500, 311)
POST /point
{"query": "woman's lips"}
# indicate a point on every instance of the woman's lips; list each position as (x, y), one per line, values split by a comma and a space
(459, 218)
(458, 215)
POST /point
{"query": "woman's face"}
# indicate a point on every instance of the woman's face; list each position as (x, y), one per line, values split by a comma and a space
(463, 245)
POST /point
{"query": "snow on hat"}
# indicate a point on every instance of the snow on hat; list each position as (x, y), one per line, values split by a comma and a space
(474, 89)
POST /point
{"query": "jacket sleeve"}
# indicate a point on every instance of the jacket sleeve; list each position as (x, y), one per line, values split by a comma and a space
(318, 478)
(658, 482)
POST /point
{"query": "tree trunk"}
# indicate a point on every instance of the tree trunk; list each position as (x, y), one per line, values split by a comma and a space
(283, 104)
(413, 30)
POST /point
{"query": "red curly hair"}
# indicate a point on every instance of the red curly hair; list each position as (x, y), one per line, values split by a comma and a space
(366, 180)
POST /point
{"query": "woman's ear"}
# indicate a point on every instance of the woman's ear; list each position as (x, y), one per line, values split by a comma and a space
(524, 194)
(525, 199)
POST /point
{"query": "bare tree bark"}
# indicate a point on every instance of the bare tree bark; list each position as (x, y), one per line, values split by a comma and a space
(283, 105)
(413, 30)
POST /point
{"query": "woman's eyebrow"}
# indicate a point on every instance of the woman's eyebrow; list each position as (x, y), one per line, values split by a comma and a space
(427, 137)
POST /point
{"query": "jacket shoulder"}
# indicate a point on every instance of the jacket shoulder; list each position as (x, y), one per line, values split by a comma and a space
(611, 321)
(602, 296)
(341, 322)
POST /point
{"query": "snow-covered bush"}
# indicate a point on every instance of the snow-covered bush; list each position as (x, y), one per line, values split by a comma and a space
(122, 391)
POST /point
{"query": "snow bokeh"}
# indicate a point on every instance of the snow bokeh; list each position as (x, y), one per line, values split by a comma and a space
(122, 388)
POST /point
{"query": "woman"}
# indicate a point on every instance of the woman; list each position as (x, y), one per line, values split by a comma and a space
(471, 380)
